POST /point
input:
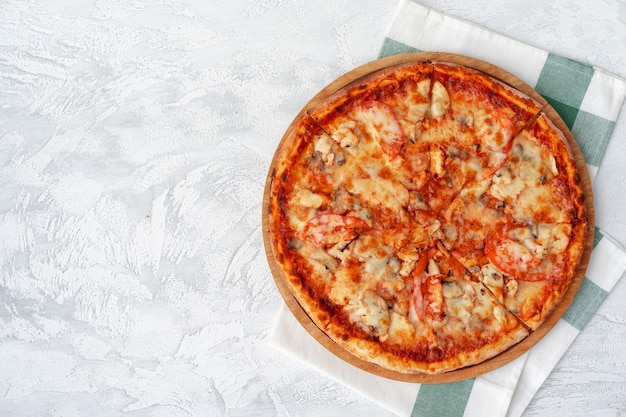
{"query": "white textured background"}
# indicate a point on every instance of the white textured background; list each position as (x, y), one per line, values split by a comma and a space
(134, 142)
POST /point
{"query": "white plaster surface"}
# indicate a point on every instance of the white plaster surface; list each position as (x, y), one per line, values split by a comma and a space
(135, 138)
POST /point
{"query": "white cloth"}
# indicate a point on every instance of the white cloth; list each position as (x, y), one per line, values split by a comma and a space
(508, 390)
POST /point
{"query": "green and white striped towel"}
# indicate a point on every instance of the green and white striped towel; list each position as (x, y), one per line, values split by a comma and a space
(589, 101)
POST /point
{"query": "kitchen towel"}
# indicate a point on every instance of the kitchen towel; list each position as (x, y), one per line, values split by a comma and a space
(589, 101)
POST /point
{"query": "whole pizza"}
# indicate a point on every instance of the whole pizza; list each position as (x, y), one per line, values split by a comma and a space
(426, 217)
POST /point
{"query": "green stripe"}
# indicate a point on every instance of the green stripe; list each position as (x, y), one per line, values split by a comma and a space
(391, 47)
(443, 400)
(563, 83)
(567, 113)
(587, 300)
(564, 80)
(597, 236)
(592, 134)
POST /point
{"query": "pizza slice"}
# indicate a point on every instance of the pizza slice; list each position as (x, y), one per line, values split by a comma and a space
(522, 230)
(468, 323)
(434, 324)
(533, 259)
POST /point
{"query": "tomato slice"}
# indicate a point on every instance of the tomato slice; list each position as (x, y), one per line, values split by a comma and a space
(383, 124)
(509, 255)
(329, 228)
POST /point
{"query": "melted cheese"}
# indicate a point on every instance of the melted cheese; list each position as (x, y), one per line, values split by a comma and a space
(344, 131)
(538, 204)
(461, 305)
(343, 287)
(554, 237)
(401, 330)
(418, 102)
(377, 191)
(529, 165)
(323, 264)
(493, 129)
(413, 107)
(379, 121)
(323, 144)
(494, 280)
(473, 306)
(522, 299)
(377, 260)
(309, 199)
(370, 312)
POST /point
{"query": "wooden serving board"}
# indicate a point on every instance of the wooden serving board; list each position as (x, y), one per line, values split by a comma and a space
(513, 352)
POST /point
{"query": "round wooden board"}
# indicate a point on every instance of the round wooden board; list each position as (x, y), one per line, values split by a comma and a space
(504, 357)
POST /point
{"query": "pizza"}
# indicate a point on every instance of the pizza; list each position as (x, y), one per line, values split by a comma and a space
(426, 217)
